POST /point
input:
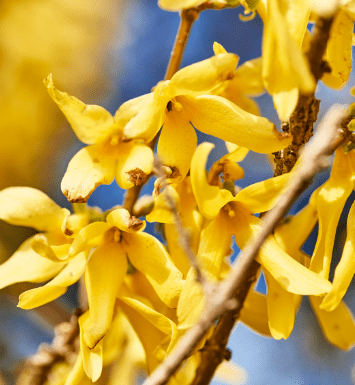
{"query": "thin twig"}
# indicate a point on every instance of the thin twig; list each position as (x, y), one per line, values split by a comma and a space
(317, 158)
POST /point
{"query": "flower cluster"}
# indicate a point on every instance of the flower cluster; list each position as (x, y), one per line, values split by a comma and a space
(145, 292)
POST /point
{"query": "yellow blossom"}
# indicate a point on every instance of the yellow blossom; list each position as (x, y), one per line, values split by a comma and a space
(107, 155)
(183, 103)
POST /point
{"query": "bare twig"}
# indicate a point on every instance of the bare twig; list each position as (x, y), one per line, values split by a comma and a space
(316, 155)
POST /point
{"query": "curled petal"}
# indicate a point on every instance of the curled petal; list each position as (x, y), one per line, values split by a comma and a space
(217, 116)
(122, 219)
(104, 275)
(43, 245)
(90, 236)
(210, 199)
(177, 144)
(25, 265)
(236, 153)
(330, 202)
(262, 196)
(26, 206)
(92, 358)
(337, 325)
(345, 270)
(134, 164)
(89, 122)
(56, 287)
(88, 169)
(149, 256)
(291, 275)
(204, 75)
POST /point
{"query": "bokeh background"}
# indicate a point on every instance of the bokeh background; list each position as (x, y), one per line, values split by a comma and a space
(106, 52)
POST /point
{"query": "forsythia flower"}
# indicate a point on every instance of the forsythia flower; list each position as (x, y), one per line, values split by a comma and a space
(107, 155)
(181, 104)
(45, 255)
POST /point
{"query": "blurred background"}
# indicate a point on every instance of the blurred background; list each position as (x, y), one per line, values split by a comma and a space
(106, 52)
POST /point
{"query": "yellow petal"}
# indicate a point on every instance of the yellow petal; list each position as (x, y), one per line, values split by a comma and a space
(89, 168)
(214, 246)
(281, 308)
(330, 202)
(210, 199)
(247, 78)
(204, 75)
(291, 275)
(191, 302)
(217, 116)
(162, 211)
(77, 373)
(90, 236)
(43, 245)
(25, 265)
(149, 256)
(254, 313)
(236, 153)
(122, 219)
(92, 358)
(104, 275)
(56, 287)
(218, 48)
(285, 69)
(147, 123)
(177, 144)
(26, 206)
(177, 5)
(262, 196)
(134, 163)
(90, 123)
(345, 270)
(338, 325)
(339, 50)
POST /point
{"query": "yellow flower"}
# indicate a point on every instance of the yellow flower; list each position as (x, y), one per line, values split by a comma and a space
(107, 155)
(338, 324)
(285, 70)
(182, 104)
(115, 240)
(44, 255)
(177, 5)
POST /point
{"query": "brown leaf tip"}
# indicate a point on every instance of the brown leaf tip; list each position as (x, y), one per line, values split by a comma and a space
(137, 176)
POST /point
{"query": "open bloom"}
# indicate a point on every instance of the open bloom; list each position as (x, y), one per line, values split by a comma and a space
(181, 105)
(108, 155)
(44, 255)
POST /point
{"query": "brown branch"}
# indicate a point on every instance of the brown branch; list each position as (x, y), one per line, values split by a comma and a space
(64, 348)
(316, 155)
(306, 112)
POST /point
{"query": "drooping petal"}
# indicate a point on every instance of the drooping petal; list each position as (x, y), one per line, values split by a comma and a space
(345, 270)
(254, 313)
(177, 144)
(90, 123)
(92, 358)
(122, 219)
(104, 275)
(215, 245)
(25, 265)
(281, 307)
(338, 325)
(56, 287)
(236, 153)
(204, 75)
(291, 275)
(210, 199)
(262, 196)
(89, 168)
(339, 51)
(134, 163)
(285, 69)
(149, 256)
(147, 123)
(217, 116)
(26, 206)
(44, 245)
(90, 236)
(330, 202)
(247, 78)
